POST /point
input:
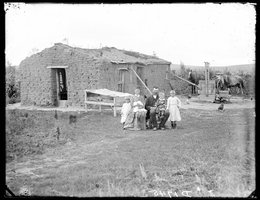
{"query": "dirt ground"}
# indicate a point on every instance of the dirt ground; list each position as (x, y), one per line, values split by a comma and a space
(210, 154)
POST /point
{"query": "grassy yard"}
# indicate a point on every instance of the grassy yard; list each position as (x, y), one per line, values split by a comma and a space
(210, 154)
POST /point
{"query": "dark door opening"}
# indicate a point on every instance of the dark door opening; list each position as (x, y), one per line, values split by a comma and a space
(62, 84)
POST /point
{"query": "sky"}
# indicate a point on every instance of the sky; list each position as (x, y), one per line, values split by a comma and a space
(221, 34)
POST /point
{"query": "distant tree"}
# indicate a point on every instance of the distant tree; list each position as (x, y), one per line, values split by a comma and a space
(228, 73)
(12, 89)
(183, 70)
(241, 73)
(211, 74)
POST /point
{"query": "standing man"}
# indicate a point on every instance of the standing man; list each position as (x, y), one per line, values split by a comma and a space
(150, 106)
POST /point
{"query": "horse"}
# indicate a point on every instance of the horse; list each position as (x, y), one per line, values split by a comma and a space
(229, 82)
(219, 83)
(234, 81)
(194, 77)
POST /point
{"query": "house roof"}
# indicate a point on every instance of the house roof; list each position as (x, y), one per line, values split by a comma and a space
(115, 55)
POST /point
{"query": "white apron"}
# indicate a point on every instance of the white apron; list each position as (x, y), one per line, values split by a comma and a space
(172, 105)
(126, 108)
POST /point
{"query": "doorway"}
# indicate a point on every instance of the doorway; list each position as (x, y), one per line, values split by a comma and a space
(62, 92)
(123, 79)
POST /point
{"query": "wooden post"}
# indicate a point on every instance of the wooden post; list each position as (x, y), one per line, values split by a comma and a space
(131, 77)
(114, 106)
(86, 107)
(186, 81)
(123, 81)
(207, 78)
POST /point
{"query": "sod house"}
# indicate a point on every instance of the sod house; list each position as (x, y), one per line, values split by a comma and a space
(62, 73)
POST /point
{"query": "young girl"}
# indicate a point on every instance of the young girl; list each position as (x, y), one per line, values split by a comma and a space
(173, 105)
(126, 108)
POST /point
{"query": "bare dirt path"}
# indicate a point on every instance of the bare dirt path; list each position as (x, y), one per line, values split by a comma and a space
(194, 104)
(212, 106)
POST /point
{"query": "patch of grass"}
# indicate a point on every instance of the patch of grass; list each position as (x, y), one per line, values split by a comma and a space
(31, 132)
(208, 156)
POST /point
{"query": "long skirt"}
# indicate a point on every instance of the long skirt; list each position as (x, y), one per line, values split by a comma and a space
(174, 113)
(136, 121)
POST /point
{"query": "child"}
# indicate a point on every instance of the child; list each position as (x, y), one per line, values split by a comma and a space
(138, 102)
(173, 105)
(138, 106)
(126, 108)
(160, 107)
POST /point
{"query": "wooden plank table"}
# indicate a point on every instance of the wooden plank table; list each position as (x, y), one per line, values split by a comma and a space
(100, 103)
(115, 96)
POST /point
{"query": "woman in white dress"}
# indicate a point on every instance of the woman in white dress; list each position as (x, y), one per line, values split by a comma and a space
(173, 105)
(136, 118)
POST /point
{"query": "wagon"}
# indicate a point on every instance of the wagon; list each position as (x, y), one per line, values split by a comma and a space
(223, 95)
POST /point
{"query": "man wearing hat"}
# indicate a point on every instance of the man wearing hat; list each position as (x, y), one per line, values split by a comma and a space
(150, 106)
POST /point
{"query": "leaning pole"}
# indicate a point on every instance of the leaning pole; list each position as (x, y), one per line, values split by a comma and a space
(207, 78)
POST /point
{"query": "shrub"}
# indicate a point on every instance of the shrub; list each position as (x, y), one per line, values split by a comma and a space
(12, 87)
(13, 93)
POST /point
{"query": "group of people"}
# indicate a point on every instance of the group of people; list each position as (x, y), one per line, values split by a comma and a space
(138, 113)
